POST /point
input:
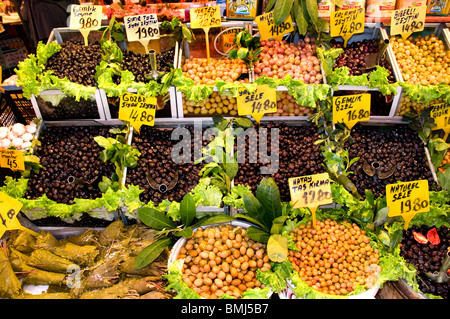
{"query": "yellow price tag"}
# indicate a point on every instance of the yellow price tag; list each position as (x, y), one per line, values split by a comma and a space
(345, 23)
(85, 18)
(257, 103)
(351, 109)
(137, 109)
(205, 17)
(407, 199)
(310, 191)
(12, 159)
(268, 29)
(441, 114)
(9, 208)
(408, 20)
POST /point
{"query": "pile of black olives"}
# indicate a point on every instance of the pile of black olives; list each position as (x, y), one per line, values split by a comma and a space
(397, 153)
(139, 64)
(71, 162)
(76, 61)
(353, 57)
(427, 258)
(297, 156)
(156, 146)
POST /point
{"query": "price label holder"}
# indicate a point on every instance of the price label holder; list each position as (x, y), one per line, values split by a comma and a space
(12, 159)
(269, 30)
(205, 18)
(9, 209)
(142, 28)
(137, 109)
(407, 199)
(351, 109)
(345, 23)
(310, 191)
(441, 114)
(408, 20)
(257, 103)
(85, 18)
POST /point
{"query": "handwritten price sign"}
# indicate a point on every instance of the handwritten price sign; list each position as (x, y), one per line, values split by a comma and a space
(137, 109)
(351, 109)
(142, 27)
(269, 30)
(408, 20)
(441, 114)
(203, 17)
(310, 191)
(85, 18)
(9, 208)
(256, 104)
(408, 199)
(345, 23)
(12, 159)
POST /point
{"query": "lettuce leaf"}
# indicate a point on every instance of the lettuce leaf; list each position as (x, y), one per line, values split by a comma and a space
(276, 277)
(206, 194)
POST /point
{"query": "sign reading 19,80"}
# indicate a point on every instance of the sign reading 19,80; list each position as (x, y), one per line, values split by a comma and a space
(257, 103)
(137, 109)
(141, 27)
(407, 199)
(85, 17)
(345, 23)
(351, 109)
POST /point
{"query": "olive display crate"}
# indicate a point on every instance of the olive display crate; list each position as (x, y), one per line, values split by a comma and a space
(439, 29)
(40, 212)
(190, 116)
(378, 32)
(44, 108)
(203, 209)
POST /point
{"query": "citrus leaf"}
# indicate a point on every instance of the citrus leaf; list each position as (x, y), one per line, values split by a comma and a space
(155, 219)
(187, 209)
(151, 252)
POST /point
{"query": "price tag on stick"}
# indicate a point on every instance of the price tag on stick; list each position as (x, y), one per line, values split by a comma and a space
(137, 109)
(441, 114)
(407, 199)
(258, 103)
(345, 23)
(351, 109)
(269, 30)
(85, 18)
(408, 20)
(12, 159)
(310, 191)
(205, 18)
(142, 28)
(9, 209)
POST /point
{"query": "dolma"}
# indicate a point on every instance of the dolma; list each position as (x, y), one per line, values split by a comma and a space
(81, 255)
(23, 241)
(10, 285)
(34, 276)
(46, 260)
(45, 240)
